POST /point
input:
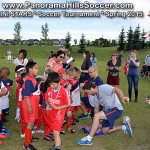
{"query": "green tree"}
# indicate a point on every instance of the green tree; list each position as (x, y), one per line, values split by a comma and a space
(75, 42)
(68, 39)
(88, 42)
(129, 45)
(113, 42)
(136, 38)
(45, 40)
(82, 44)
(143, 38)
(17, 36)
(121, 40)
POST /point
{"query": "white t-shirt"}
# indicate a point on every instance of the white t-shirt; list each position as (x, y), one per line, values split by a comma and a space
(1, 86)
(17, 62)
(9, 53)
(106, 98)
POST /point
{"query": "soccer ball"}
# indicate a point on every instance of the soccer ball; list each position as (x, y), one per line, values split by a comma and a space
(125, 119)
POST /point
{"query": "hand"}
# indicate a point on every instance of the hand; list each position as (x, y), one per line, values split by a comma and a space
(48, 108)
(30, 110)
(125, 98)
(53, 105)
(111, 68)
(131, 59)
(117, 68)
(68, 88)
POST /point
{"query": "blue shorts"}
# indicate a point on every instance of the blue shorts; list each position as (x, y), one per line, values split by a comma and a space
(112, 115)
(5, 111)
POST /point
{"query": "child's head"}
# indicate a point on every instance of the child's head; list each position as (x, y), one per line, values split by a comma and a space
(47, 71)
(30, 60)
(19, 70)
(32, 68)
(61, 72)
(143, 63)
(39, 80)
(70, 74)
(4, 72)
(23, 76)
(77, 72)
(53, 80)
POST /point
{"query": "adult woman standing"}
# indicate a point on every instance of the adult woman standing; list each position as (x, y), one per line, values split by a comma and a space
(21, 60)
(85, 66)
(133, 74)
(114, 67)
(56, 63)
(93, 59)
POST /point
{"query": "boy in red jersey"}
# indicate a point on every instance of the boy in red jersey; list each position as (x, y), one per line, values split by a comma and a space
(57, 100)
(30, 96)
(19, 70)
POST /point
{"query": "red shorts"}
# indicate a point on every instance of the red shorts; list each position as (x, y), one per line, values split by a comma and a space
(75, 108)
(34, 100)
(55, 120)
(113, 80)
(21, 112)
(17, 97)
(68, 109)
(45, 116)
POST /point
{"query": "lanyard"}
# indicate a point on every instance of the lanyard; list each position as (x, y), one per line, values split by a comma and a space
(56, 95)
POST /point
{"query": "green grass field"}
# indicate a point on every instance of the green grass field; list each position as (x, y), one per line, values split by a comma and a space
(139, 113)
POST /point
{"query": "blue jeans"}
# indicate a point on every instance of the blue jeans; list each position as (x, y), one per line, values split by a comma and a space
(135, 80)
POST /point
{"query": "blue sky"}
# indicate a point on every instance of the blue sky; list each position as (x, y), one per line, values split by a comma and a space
(92, 28)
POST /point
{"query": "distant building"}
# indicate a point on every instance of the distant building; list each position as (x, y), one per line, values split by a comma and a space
(9, 42)
(33, 42)
(63, 42)
(55, 42)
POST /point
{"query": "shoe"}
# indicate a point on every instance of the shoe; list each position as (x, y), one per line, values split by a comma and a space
(73, 123)
(83, 116)
(64, 122)
(84, 141)
(5, 130)
(128, 129)
(48, 138)
(34, 139)
(17, 119)
(33, 132)
(71, 130)
(89, 113)
(29, 147)
(4, 133)
(76, 120)
(5, 120)
(136, 100)
(22, 135)
(55, 148)
(39, 131)
(62, 131)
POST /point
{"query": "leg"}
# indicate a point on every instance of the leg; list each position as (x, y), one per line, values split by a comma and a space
(136, 80)
(83, 108)
(108, 130)
(129, 86)
(57, 138)
(97, 117)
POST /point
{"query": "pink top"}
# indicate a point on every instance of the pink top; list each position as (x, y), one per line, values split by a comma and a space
(56, 66)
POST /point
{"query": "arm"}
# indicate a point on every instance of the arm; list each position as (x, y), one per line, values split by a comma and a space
(96, 109)
(135, 63)
(118, 68)
(109, 68)
(59, 107)
(47, 105)
(3, 92)
(30, 109)
(121, 95)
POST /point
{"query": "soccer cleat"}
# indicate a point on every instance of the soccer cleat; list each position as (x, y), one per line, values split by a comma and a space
(5, 130)
(39, 131)
(29, 147)
(84, 141)
(62, 131)
(83, 116)
(48, 138)
(71, 130)
(128, 129)
(33, 132)
(17, 119)
(1, 142)
(73, 123)
(22, 135)
(34, 139)
(76, 120)
(55, 148)
(4, 133)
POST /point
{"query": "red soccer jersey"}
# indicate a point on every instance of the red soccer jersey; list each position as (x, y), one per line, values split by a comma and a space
(57, 97)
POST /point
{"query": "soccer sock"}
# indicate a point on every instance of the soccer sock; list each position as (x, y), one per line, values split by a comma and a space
(73, 117)
(18, 112)
(123, 127)
(23, 127)
(89, 110)
(2, 136)
(69, 122)
(89, 138)
(28, 136)
(46, 130)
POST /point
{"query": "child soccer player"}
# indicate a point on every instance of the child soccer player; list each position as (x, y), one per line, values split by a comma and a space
(144, 69)
(3, 91)
(19, 70)
(57, 100)
(125, 67)
(5, 99)
(69, 75)
(30, 96)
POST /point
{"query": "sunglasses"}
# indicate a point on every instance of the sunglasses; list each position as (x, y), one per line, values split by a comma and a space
(61, 57)
(113, 55)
